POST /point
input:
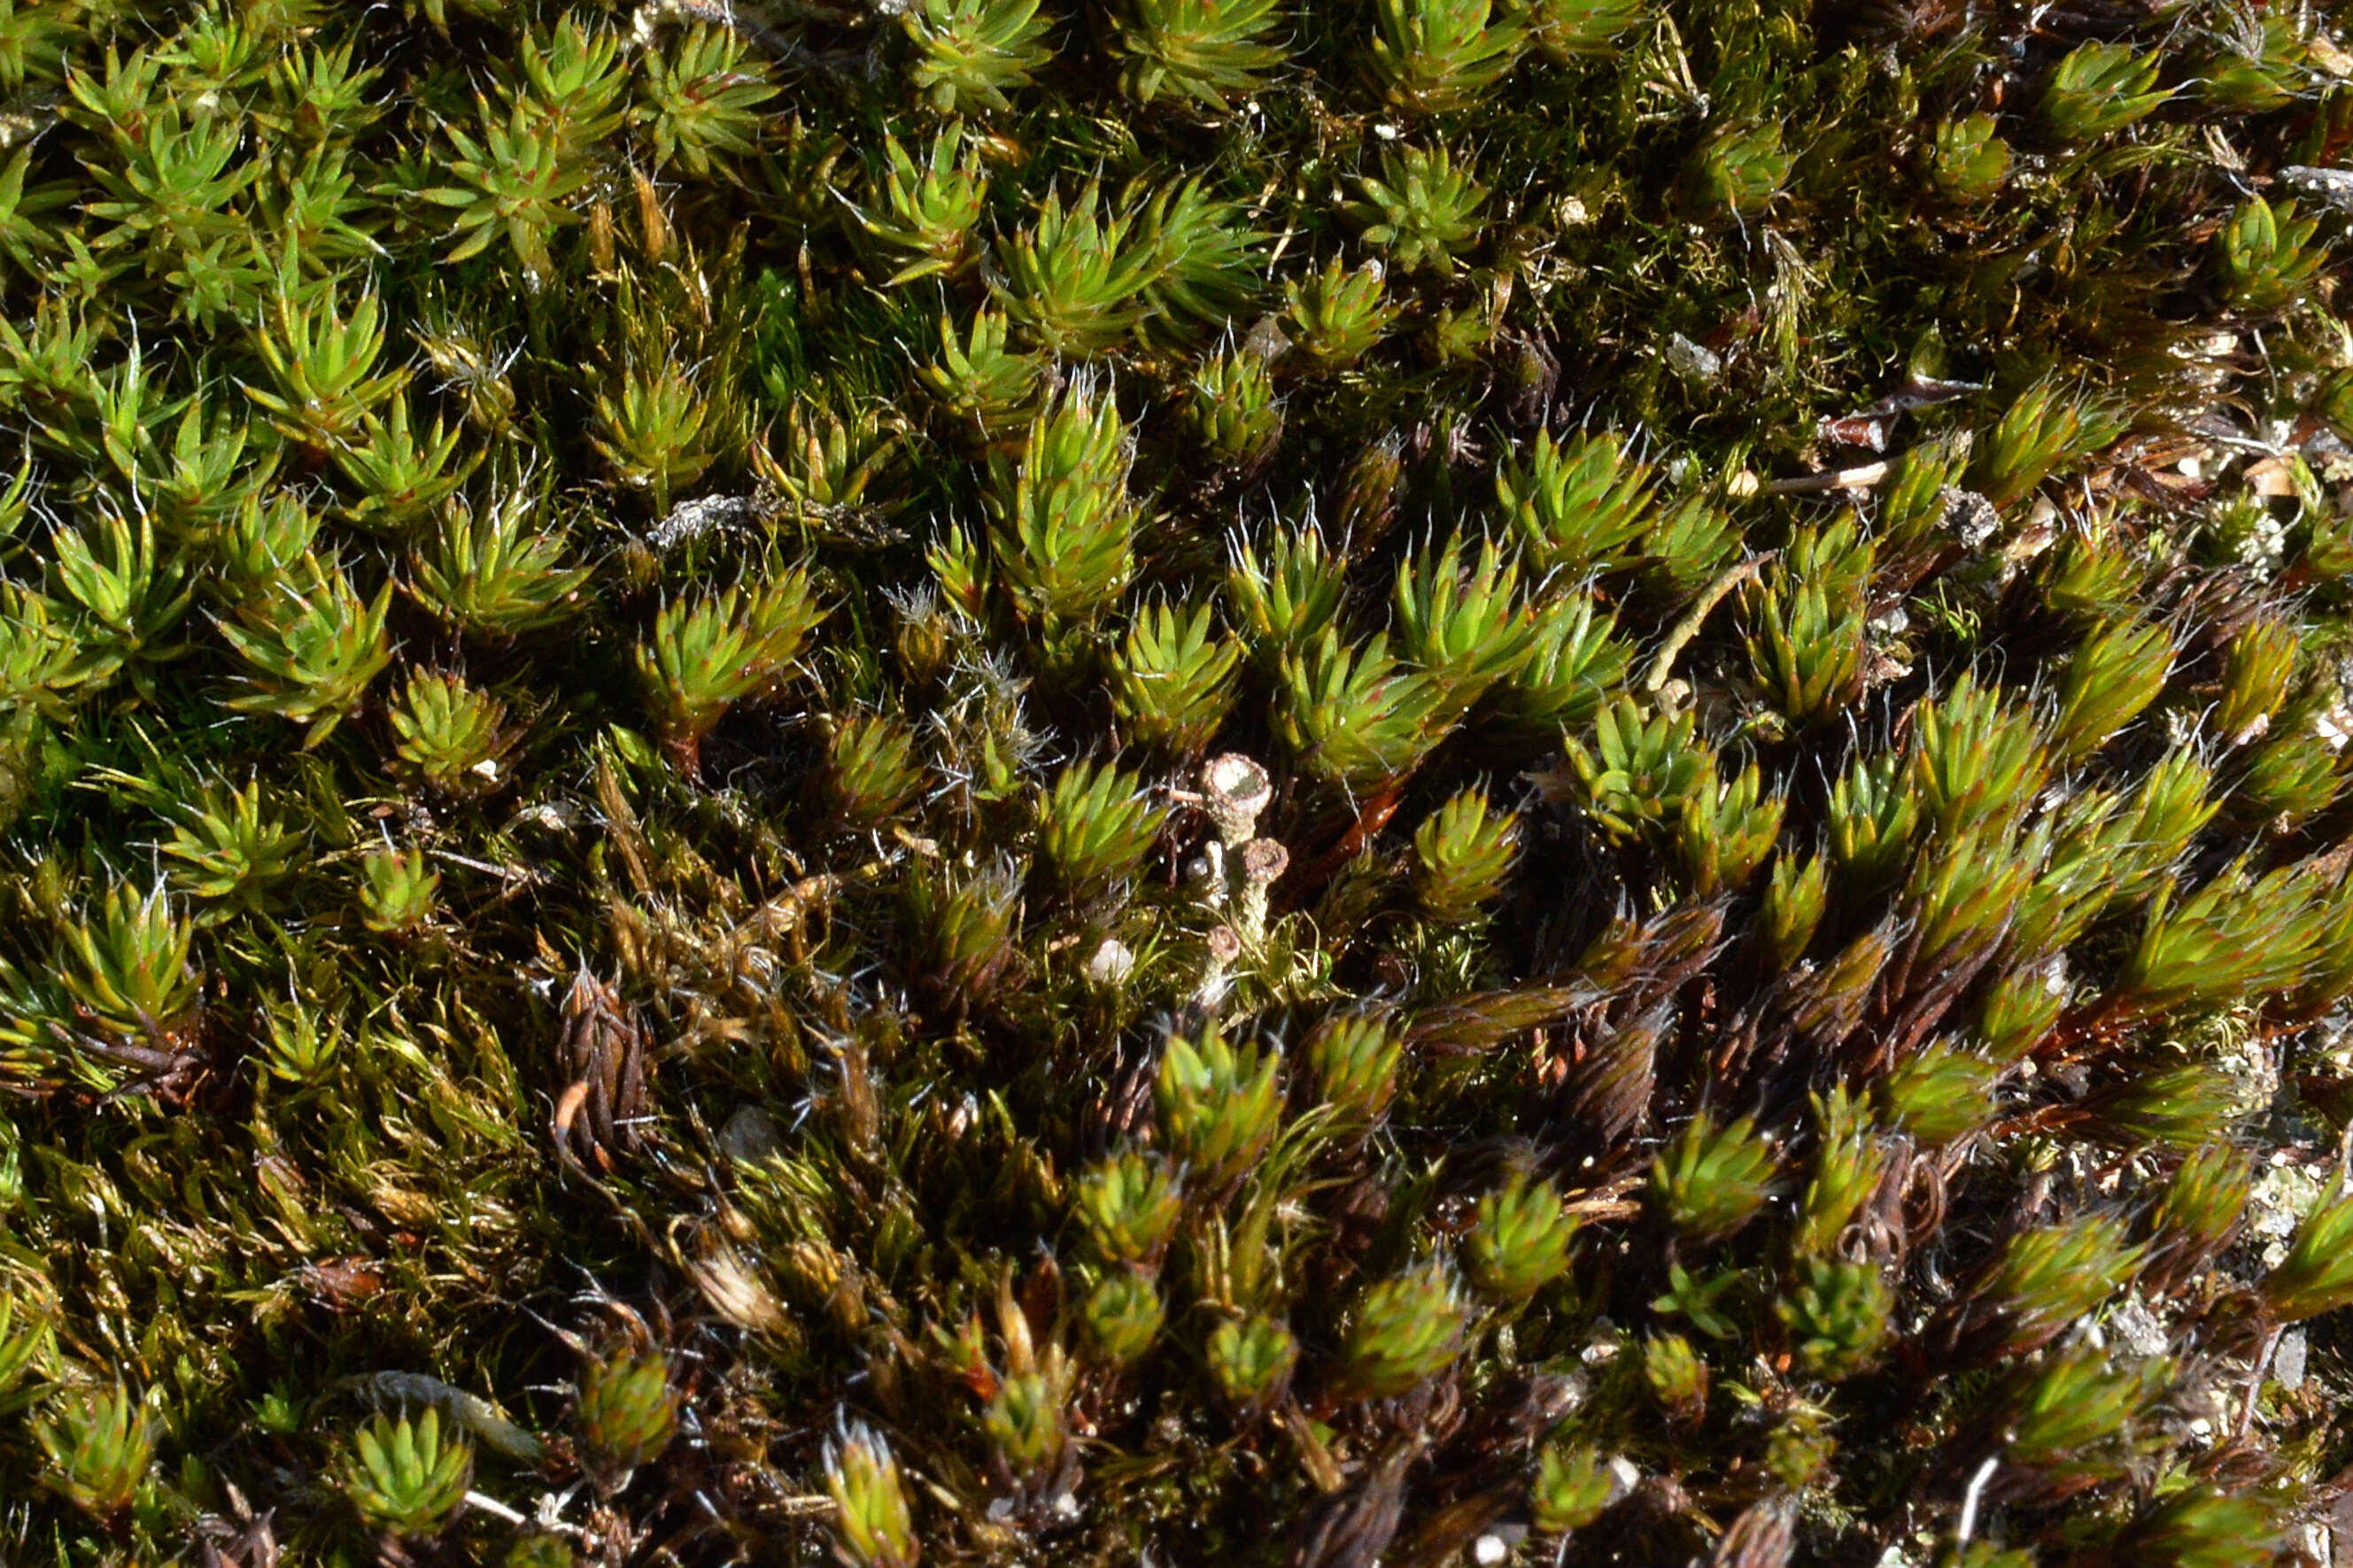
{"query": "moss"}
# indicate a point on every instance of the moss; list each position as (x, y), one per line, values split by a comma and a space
(626, 643)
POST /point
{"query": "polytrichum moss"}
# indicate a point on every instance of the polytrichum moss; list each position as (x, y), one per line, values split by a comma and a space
(1196, 780)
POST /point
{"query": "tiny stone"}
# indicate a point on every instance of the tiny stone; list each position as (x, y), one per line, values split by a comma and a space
(750, 1136)
(2140, 1328)
(2333, 725)
(1267, 339)
(1113, 962)
(2288, 1360)
(1507, 1535)
(1969, 517)
(1687, 358)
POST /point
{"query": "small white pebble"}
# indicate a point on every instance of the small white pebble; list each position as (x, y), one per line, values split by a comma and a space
(1113, 962)
(2288, 1361)
(1489, 1550)
(1687, 358)
(2335, 726)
